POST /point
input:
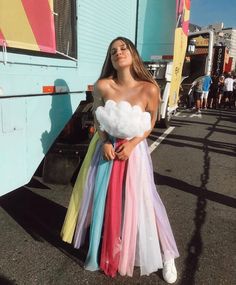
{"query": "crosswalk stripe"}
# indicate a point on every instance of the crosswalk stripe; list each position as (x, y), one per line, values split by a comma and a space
(155, 144)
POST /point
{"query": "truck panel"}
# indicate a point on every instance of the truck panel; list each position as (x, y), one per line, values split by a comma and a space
(156, 26)
(30, 117)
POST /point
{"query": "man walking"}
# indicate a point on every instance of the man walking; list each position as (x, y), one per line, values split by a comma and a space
(228, 94)
(205, 90)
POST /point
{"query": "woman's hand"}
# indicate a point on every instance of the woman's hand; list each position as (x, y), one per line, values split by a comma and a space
(108, 151)
(124, 150)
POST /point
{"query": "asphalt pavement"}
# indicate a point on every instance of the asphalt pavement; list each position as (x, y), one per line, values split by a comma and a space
(194, 169)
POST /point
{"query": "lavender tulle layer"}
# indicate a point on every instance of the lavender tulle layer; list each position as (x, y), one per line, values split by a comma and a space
(144, 237)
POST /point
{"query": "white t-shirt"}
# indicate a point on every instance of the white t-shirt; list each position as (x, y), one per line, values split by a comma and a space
(229, 82)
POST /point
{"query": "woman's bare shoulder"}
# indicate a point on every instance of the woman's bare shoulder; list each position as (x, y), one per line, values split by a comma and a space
(102, 85)
(151, 89)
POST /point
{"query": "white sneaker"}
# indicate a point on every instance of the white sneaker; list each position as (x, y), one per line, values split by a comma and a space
(169, 271)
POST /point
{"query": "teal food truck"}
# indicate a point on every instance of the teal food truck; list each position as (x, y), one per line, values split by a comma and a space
(51, 54)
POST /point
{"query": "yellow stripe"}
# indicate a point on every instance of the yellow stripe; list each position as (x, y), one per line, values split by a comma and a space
(15, 25)
(186, 13)
(180, 44)
(51, 4)
(69, 225)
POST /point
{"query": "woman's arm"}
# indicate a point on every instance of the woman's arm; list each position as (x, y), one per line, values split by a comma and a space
(153, 94)
(108, 150)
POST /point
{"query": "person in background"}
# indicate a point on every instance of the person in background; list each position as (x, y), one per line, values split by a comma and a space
(207, 81)
(234, 92)
(228, 93)
(197, 93)
(220, 91)
(212, 97)
(190, 98)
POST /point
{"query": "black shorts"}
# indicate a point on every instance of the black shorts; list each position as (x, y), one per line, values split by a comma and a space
(228, 94)
(212, 93)
(197, 95)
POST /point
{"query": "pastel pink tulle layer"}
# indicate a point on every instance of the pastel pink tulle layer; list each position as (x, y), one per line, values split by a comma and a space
(136, 229)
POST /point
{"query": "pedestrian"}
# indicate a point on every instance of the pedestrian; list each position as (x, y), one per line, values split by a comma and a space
(190, 98)
(207, 81)
(228, 93)
(220, 91)
(115, 193)
(234, 92)
(213, 92)
(182, 101)
(197, 93)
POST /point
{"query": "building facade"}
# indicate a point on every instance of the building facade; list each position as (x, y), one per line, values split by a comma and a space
(229, 35)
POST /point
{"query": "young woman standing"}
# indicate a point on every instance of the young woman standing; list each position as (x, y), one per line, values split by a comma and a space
(115, 193)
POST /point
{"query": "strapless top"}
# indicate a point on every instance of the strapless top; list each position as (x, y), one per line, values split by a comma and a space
(122, 120)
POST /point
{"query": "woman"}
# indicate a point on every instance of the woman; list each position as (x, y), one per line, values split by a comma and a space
(213, 92)
(115, 192)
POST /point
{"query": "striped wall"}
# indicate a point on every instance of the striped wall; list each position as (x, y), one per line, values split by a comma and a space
(27, 24)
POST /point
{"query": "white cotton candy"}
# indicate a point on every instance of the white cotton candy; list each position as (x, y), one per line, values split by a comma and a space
(121, 120)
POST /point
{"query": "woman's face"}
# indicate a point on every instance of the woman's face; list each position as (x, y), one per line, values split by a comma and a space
(120, 55)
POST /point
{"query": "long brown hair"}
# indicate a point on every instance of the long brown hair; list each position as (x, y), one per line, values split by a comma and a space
(138, 68)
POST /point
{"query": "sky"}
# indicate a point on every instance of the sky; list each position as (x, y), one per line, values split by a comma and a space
(207, 12)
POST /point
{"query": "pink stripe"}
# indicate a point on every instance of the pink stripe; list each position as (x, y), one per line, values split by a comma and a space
(179, 7)
(42, 23)
(2, 38)
(128, 247)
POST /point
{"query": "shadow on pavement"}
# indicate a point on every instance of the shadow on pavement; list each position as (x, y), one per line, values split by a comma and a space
(5, 281)
(213, 146)
(41, 218)
(188, 188)
(195, 244)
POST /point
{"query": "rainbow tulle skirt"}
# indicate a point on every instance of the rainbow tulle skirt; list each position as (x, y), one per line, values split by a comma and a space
(118, 203)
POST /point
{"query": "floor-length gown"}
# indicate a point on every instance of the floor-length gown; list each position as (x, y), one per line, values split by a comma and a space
(118, 202)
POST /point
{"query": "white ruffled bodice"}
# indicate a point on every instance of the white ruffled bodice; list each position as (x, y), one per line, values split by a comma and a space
(122, 120)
